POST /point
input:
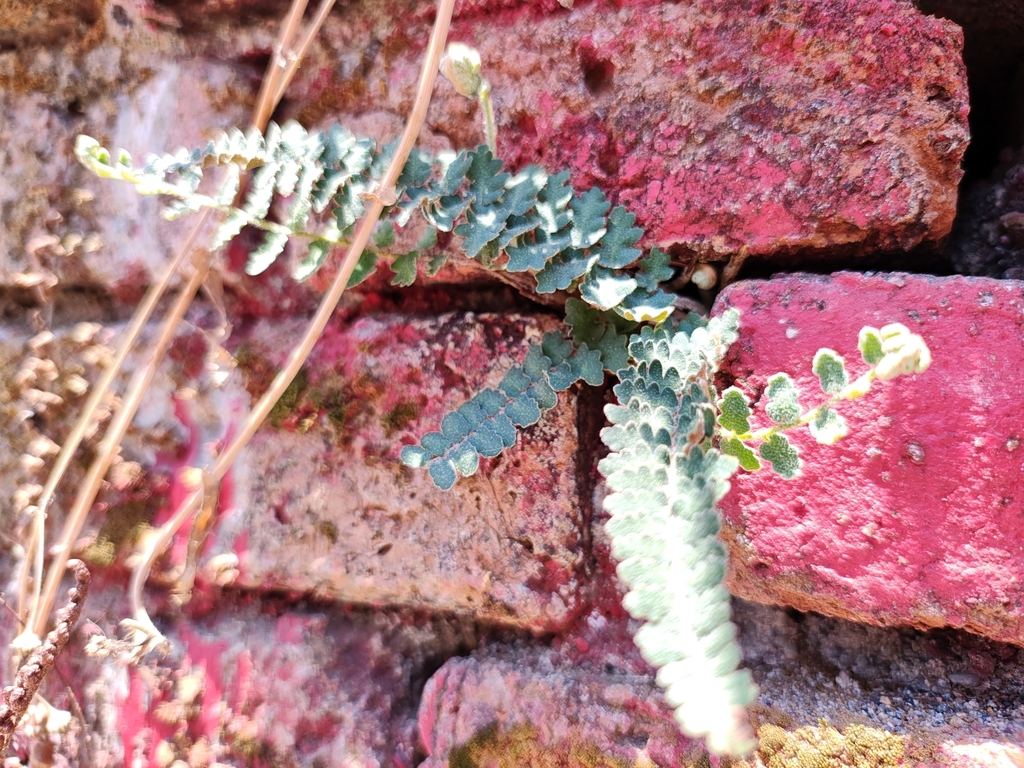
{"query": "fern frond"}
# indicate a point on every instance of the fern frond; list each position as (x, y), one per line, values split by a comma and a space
(569, 241)
(666, 479)
(316, 171)
(486, 425)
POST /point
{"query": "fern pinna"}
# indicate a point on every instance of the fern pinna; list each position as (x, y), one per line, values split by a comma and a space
(666, 470)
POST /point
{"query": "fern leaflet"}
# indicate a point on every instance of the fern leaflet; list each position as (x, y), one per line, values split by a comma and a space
(486, 425)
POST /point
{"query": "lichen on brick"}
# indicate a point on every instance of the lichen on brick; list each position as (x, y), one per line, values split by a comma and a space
(490, 747)
(824, 746)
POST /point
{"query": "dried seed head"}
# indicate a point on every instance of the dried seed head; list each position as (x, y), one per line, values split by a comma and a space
(76, 385)
(83, 333)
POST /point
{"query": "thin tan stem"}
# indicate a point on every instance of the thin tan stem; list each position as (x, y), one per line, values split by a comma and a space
(108, 447)
(385, 192)
(102, 388)
(487, 107)
(265, 105)
(261, 410)
(268, 99)
(303, 48)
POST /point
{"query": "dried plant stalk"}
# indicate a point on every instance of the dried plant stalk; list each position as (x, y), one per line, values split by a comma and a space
(279, 71)
(303, 46)
(384, 195)
(18, 696)
(109, 446)
(101, 390)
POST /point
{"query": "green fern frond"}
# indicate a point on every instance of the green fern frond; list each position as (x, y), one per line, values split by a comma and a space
(664, 471)
(604, 331)
(315, 171)
(486, 425)
(666, 479)
(568, 241)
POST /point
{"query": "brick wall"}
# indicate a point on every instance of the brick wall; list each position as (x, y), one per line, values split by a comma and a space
(348, 613)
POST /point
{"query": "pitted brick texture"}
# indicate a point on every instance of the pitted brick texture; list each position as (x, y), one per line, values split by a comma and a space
(917, 517)
(325, 507)
(791, 129)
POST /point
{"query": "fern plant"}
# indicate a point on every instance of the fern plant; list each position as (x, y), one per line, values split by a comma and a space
(674, 441)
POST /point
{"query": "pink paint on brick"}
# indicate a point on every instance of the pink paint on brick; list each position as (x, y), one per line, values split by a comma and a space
(791, 128)
(917, 517)
(331, 511)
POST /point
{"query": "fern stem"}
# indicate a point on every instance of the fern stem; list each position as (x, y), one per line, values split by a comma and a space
(17, 697)
(765, 434)
(101, 389)
(487, 105)
(363, 233)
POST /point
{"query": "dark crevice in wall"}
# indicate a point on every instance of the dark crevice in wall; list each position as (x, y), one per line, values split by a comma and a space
(429, 300)
(920, 261)
(988, 234)
(994, 56)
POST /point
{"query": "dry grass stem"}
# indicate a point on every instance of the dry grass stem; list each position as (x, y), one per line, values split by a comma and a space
(100, 391)
(303, 47)
(268, 99)
(364, 230)
(42, 601)
(109, 446)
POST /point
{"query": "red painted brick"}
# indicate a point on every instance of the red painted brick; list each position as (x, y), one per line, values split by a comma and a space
(917, 517)
(293, 688)
(325, 507)
(790, 129)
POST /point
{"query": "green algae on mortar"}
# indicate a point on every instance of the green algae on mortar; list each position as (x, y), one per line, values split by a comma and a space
(398, 417)
(824, 746)
(520, 745)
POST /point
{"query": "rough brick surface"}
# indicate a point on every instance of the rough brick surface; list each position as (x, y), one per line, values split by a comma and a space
(294, 688)
(916, 517)
(128, 85)
(832, 692)
(793, 129)
(811, 128)
(325, 507)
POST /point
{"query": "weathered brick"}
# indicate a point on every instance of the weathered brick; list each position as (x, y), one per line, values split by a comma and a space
(786, 129)
(531, 709)
(292, 688)
(917, 517)
(325, 507)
